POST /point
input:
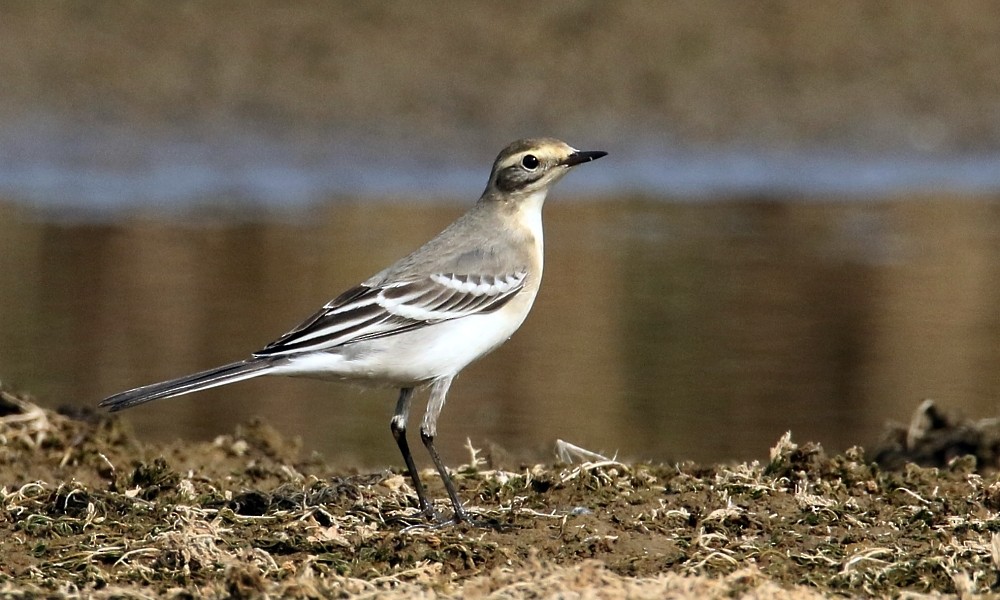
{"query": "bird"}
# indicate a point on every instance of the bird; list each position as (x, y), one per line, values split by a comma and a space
(420, 321)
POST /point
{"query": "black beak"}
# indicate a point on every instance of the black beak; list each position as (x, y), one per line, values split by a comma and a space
(582, 157)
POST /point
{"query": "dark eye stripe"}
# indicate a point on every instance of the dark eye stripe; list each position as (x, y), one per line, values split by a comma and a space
(515, 178)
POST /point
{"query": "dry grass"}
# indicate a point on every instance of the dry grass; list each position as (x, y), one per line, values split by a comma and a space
(89, 511)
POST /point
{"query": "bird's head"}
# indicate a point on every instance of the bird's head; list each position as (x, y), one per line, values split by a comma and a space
(533, 165)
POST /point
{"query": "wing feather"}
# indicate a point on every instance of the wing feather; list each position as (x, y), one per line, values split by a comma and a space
(370, 312)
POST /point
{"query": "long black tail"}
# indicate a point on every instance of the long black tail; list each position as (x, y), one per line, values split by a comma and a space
(230, 373)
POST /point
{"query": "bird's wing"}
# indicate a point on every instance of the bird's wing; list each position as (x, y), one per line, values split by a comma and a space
(369, 312)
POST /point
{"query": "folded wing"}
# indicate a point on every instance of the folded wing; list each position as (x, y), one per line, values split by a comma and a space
(365, 313)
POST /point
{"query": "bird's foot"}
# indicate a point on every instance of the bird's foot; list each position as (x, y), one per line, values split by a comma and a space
(464, 517)
(432, 519)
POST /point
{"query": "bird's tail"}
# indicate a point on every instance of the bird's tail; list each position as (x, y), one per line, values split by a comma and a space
(230, 373)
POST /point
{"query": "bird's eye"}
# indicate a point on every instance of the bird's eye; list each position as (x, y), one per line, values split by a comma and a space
(530, 162)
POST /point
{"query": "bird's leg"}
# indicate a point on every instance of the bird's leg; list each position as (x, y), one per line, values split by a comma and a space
(398, 427)
(428, 429)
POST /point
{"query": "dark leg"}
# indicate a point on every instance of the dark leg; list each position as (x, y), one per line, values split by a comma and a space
(398, 427)
(439, 389)
(460, 514)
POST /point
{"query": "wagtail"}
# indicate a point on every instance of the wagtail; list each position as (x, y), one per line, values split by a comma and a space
(423, 319)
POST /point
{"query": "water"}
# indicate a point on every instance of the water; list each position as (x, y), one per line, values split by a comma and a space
(104, 172)
(663, 331)
(179, 187)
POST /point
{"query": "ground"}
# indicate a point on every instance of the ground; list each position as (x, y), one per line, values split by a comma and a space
(88, 509)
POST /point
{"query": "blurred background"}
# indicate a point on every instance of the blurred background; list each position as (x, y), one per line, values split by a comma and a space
(797, 226)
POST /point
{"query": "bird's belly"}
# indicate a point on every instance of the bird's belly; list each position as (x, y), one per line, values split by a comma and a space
(413, 357)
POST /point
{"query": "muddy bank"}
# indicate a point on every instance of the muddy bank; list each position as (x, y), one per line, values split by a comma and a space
(851, 74)
(88, 508)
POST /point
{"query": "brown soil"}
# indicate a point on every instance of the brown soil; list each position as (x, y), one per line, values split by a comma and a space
(89, 509)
